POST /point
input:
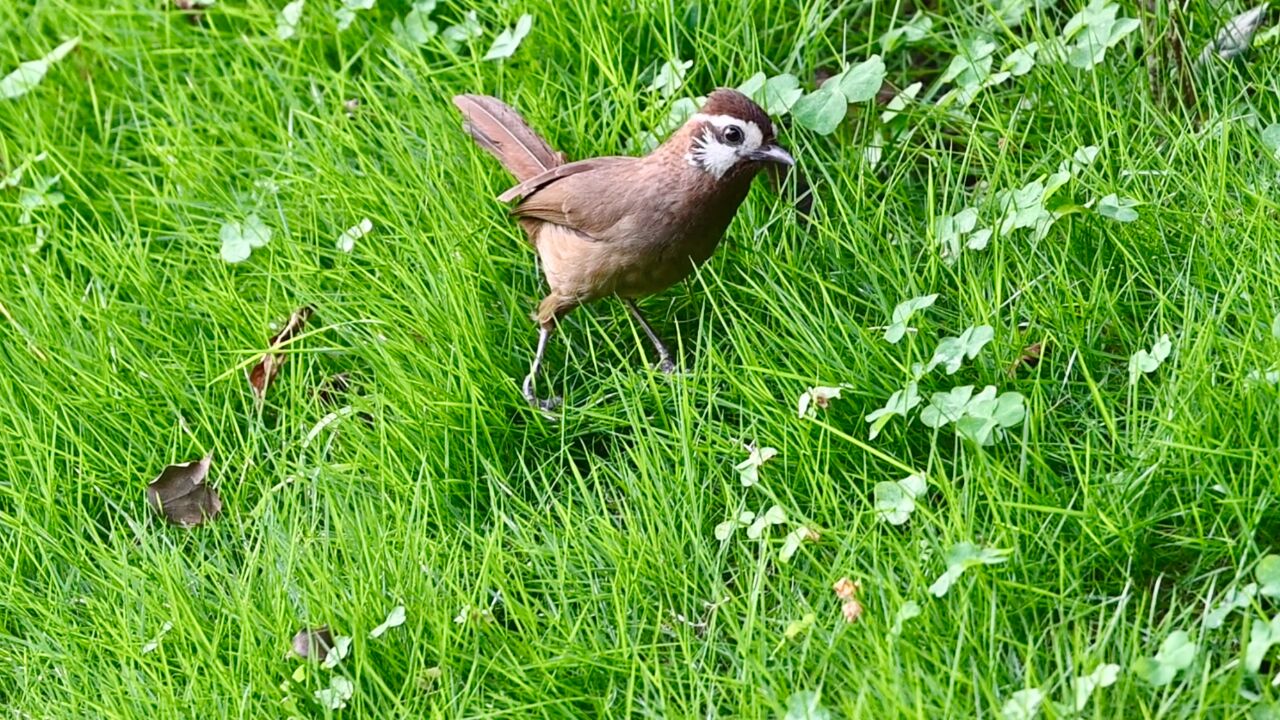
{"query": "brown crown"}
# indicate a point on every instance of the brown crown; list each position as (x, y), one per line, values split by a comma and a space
(734, 104)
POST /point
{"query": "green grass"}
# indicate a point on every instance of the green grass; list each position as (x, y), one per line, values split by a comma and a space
(125, 337)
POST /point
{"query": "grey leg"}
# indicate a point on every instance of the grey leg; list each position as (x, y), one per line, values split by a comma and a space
(544, 333)
(665, 363)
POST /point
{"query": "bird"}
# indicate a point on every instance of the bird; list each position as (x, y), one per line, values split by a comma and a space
(625, 227)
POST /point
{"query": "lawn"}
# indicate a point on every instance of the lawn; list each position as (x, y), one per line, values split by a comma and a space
(1091, 537)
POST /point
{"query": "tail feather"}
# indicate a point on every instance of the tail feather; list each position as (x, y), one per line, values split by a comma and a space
(500, 130)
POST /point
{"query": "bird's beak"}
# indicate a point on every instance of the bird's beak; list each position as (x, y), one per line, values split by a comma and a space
(774, 154)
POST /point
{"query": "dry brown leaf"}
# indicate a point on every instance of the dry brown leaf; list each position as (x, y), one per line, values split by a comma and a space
(845, 588)
(181, 495)
(264, 372)
(1030, 357)
(852, 610)
(313, 642)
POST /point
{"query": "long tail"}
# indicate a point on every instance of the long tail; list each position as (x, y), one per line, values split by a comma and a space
(500, 130)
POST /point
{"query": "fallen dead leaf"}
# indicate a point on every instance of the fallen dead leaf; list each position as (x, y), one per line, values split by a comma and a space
(264, 372)
(852, 610)
(313, 643)
(1030, 358)
(845, 588)
(181, 495)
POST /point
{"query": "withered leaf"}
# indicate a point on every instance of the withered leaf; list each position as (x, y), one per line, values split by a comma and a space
(181, 495)
(264, 372)
(332, 389)
(313, 642)
(1030, 358)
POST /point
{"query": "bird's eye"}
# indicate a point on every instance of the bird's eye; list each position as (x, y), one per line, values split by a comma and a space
(733, 135)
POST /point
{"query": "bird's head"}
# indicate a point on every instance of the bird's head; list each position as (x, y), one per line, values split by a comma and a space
(731, 135)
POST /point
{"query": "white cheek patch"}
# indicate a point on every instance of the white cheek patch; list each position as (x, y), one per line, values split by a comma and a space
(711, 155)
(715, 157)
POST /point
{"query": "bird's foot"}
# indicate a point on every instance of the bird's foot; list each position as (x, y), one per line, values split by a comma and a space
(546, 405)
(667, 365)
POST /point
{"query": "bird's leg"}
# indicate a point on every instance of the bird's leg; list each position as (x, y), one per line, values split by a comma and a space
(665, 363)
(544, 333)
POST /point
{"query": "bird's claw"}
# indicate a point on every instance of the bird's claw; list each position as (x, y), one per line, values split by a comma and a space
(667, 366)
(546, 405)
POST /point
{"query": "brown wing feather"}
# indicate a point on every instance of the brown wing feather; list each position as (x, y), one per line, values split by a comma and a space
(534, 184)
(500, 130)
(590, 198)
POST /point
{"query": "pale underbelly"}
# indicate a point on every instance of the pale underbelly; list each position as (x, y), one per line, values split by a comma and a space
(579, 267)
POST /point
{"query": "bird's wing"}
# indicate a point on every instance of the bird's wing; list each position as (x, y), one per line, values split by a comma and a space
(588, 195)
(542, 180)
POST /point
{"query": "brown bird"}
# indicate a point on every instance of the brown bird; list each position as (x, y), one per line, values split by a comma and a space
(625, 226)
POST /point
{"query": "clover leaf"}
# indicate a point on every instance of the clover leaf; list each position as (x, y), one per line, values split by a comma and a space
(749, 469)
(1022, 705)
(1233, 600)
(30, 73)
(895, 500)
(899, 403)
(1142, 361)
(775, 515)
(821, 111)
(1095, 29)
(239, 239)
(952, 351)
(902, 313)
(1020, 61)
(670, 77)
(910, 609)
(726, 529)
(347, 240)
(899, 101)
(504, 46)
(986, 415)
(781, 93)
(1024, 208)
(806, 705)
(287, 21)
(1271, 139)
(796, 627)
(776, 95)
(946, 407)
(1262, 635)
(341, 648)
(395, 619)
(970, 68)
(335, 696)
(1082, 688)
(791, 543)
(455, 36)
(861, 82)
(1176, 654)
(346, 13)
(914, 29)
(417, 27)
(1268, 576)
(961, 557)
(1118, 208)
